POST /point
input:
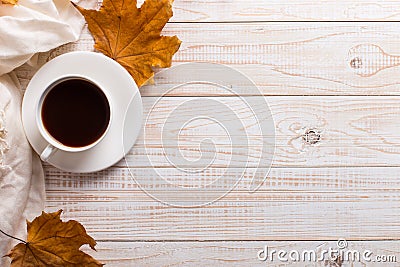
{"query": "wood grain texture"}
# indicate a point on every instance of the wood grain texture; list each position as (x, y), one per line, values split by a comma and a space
(290, 10)
(287, 180)
(339, 180)
(281, 58)
(353, 131)
(127, 254)
(366, 217)
(292, 204)
(295, 58)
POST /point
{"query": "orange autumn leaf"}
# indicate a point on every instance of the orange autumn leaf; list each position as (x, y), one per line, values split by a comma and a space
(11, 2)
(132, 36)
(52, 242)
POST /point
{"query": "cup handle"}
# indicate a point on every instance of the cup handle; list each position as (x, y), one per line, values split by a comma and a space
(47, 152)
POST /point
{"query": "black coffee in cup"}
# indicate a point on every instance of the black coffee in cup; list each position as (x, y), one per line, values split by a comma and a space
(75, 112)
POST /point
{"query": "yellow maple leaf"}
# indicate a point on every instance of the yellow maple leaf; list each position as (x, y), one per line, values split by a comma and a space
(131, 35)
(52, 242)
(11, 2)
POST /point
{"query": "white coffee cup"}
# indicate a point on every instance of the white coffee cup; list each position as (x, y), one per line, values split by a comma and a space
(54, 144)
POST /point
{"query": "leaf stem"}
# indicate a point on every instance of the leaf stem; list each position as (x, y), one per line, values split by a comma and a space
(16, 238)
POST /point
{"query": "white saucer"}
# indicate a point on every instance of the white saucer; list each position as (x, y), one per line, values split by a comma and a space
(124, 97)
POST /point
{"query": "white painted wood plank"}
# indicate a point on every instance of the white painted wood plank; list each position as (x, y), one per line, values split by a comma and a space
(353, 131)
(281, 58)
(365, 218)
(287, 180)
(127, 254)
(294, 58)
(289, 10)
(293, 204)
(276, 10)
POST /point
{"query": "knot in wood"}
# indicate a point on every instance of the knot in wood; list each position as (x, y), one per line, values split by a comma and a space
(356, 63)
(311, 137)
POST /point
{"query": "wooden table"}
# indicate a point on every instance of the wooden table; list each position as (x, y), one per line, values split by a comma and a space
(330, 73)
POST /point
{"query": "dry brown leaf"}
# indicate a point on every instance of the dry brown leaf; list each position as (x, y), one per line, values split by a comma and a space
(11, 2)
(131, 35)
(52, 242)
